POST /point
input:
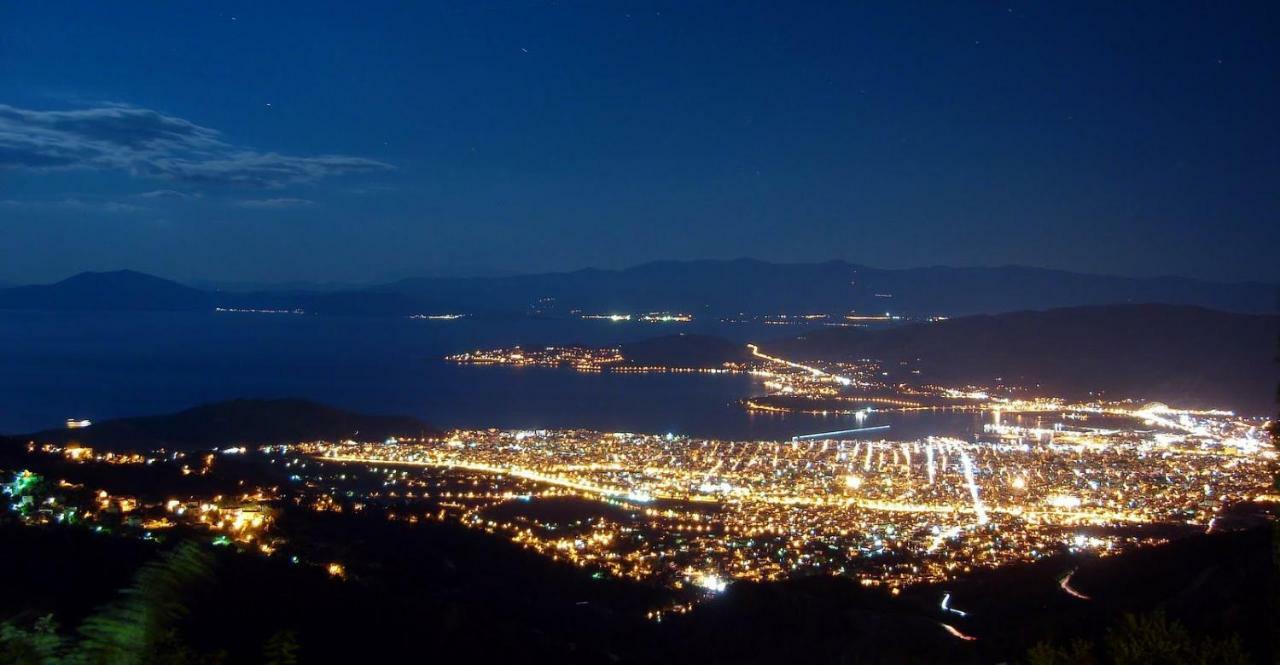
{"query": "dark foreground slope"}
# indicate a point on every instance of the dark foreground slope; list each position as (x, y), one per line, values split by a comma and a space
(436, 593)
(441, 593)
(1217, 587)
(237, 422)
(1186, 355)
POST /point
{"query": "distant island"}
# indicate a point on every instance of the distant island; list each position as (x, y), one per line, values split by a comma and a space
(119, 290)
(683, 290)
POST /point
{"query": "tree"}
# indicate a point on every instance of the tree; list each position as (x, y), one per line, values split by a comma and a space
(39, 645)
(1144, 639)
(281, 649)
(135, 627)
(1080, 652)
(138, 628)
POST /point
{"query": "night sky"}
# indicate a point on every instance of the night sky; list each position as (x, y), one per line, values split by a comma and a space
(353, 142)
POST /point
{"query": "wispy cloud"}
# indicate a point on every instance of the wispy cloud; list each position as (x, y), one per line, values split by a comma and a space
(168, 195)
(148, 143)
(69, 204)
(275, 204)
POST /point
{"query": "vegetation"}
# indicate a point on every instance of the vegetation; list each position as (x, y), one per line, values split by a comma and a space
(140, 627)
(1144, 639)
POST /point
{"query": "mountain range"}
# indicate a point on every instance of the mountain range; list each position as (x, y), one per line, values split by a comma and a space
(701, 288)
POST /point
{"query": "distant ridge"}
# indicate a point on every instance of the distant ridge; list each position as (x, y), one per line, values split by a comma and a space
(236, 422)
(118, 290)
(1185, 355)
(705, 289)
(725, 288)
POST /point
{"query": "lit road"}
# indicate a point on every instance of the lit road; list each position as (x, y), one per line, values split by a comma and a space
(1065, 583)
(837, 433)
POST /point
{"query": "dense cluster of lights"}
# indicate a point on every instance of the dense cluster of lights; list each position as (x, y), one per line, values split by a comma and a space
(666, 317)
(648, 317)
(437, 317)
(247, 310)
(580, 358)
(850, 319)
(584, 359)
(697, 512)
(246, 519)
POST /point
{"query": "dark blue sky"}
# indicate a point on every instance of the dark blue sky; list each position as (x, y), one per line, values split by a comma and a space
(362, 141)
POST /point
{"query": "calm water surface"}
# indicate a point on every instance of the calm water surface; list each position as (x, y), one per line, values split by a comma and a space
(55, 365)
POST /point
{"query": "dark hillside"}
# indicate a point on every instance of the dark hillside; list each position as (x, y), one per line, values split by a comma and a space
(237, 422)
(1185, 355)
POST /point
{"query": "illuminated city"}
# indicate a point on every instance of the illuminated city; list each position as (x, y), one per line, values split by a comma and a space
(678, 333)
(1041, 477)
(886, 512)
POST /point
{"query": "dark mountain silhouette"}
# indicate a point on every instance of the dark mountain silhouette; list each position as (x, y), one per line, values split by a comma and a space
(127, 290)
(703, 288)
(1185, 355)
(119, 290)
(749, 286)
(237, 422)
